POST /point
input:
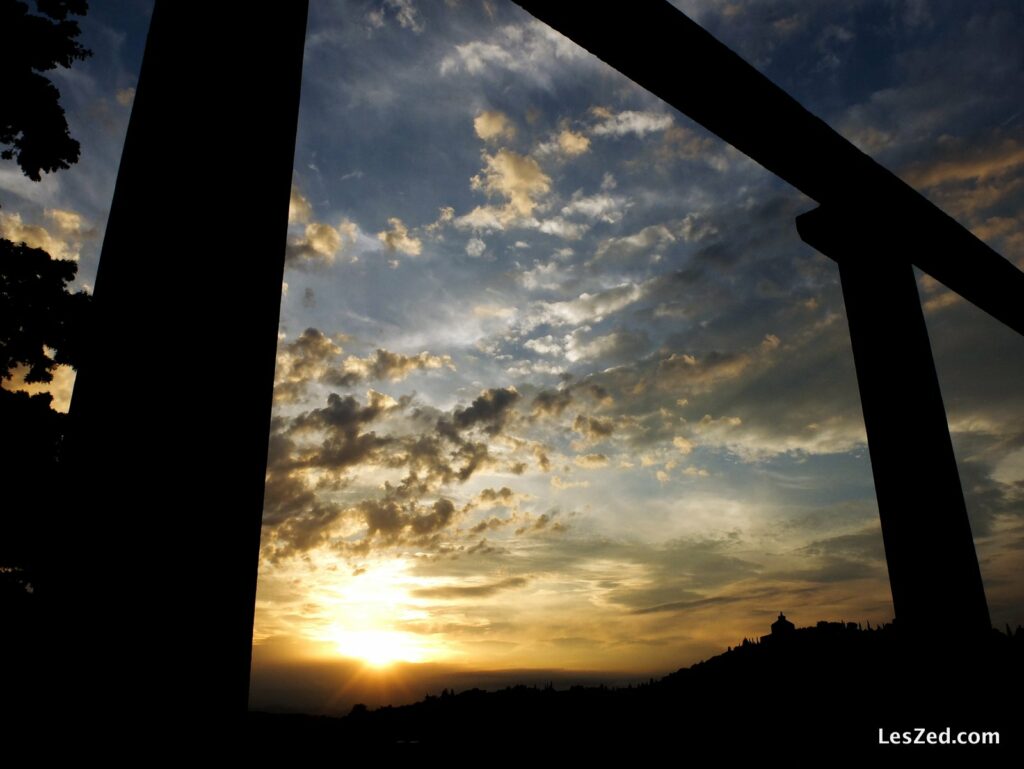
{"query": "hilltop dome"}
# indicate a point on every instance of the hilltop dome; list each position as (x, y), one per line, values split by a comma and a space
(782, 625)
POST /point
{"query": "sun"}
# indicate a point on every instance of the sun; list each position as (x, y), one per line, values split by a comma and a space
(378, 648)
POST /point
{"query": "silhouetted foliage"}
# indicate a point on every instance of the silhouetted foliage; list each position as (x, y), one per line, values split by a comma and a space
(41, 323)
(33, 127)
(38, 312)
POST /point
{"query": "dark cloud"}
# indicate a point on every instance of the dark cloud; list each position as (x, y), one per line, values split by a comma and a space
(390, 518)
(593, 428)
(454, 592)
(863, 546)
(302, 361)
(503, 496)
(489, 411)
(551, 402)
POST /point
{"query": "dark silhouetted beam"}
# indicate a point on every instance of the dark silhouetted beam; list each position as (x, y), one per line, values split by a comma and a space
(674, 58)
(933, 568)
(158, 548)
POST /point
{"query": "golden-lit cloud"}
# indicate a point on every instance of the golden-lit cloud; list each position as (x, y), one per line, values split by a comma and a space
(60, 387)
(302, 361)
(572, 143)
(321, 244)
(516, 178)
(386, 366)
(64, 241)
(591, 461)
(593, 428)
(968, 165)
(700, 374)
(317, 243)
(397, 238)
(494, 126)
(125, 96)
(679, 143)
(685, 445)
(299, 208)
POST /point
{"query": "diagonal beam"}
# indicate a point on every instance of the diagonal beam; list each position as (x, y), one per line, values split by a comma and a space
(662, 50)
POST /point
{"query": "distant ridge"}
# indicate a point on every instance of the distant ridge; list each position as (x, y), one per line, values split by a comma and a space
(833, 684)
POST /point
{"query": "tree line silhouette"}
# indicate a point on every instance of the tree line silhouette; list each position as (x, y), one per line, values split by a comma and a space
(42, 325)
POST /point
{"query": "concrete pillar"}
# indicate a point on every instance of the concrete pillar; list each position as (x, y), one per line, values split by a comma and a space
(933, 568)
(157, 545)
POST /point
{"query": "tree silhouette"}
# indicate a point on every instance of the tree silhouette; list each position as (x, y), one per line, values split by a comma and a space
(37, 312)
(32, 122)
(41, 322)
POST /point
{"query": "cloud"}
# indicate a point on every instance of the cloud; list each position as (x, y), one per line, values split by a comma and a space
(300, 211)
(601, 207)
(685, 445)
(312, 243)
(65, 243)
(320, 244)
(563, 228)
(304, 360)
(59, 388)
(562, 485)
(963, 164)
(700, 374)
(531, 51)
(503, 497)
(551, 402)
(485, 218)
(586, 308)
(403, 11)
(626, 123)
(616, 346)
(493, 126)
(475, 247)
(679, 143)
(389, 518)
(490, 410)
(455, 592)
(125, 96)
(591, 461)
(546, 276)
(398, 238)
(572, 143)
(517, 178)
(593, 428)
(564, 144)
(385, 365)
(653, 238)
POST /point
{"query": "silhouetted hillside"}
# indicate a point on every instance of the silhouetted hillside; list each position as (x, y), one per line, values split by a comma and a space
(833, 685)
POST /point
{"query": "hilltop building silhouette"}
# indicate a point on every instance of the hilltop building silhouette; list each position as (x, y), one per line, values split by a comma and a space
(782, 629)
(782, 626)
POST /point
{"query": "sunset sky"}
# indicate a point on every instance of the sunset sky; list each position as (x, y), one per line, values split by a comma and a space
(559, 388)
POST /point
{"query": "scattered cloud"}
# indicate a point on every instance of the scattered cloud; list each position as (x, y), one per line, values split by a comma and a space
(517, 178)
(61, 241)
(494, 126)
(398, 238)
(628, 122)
(384, 365)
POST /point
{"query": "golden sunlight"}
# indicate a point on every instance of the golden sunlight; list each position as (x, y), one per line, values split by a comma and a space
(379, 648)
(368, 612)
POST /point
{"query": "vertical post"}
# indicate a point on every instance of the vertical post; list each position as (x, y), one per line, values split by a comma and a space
(156, 555)
(936, 583)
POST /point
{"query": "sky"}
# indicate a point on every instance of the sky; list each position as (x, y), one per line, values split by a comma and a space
(560, 393)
